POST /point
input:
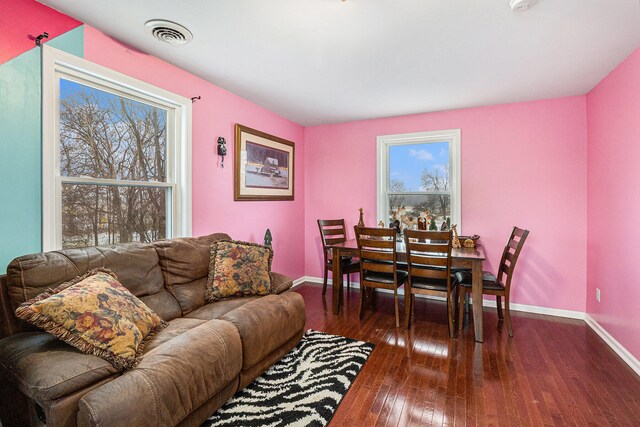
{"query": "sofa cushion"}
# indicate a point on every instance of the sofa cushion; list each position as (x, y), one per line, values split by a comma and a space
(171, 381)
(238, 269)
(176, 327)
(97, 315)
(45, 368)
(135, 264)
(185, 264)
(216, 310)
(190, 295)
(267, 323)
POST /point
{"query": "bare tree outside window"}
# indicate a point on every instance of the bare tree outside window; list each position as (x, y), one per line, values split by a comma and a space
(396, 201)
(437, 181)
(419, 181)
(111, 149)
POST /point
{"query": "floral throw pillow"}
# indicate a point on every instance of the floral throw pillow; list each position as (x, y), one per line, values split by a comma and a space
(97, 315)
(238, 269)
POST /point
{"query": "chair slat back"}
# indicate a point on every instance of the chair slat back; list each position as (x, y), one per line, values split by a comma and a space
(510, 255)
(332, 231)
(429, 253)
(377, 247)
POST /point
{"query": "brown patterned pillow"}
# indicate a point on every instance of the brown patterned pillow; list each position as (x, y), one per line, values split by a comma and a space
(238, 269)
(97, 315)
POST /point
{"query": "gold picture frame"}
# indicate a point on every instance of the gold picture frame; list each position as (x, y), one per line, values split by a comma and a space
(264, 166)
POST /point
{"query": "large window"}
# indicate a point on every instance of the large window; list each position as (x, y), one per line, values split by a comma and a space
(419, 179)
(116, 157)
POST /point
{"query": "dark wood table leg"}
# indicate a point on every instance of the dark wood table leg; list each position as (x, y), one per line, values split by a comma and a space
(476, 271)
(336, 280)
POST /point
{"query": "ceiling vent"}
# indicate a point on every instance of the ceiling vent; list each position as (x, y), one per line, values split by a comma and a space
(168, 32)
(522, 5)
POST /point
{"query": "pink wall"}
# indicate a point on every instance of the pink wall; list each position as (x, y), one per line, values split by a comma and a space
(22, 20)
(613, 206)
(215, 115)
(522, 164)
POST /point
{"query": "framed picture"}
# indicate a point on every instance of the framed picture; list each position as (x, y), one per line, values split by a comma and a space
(263, 166)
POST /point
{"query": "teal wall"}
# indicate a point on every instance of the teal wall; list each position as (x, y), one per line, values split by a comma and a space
(71, 41)
(21, 148)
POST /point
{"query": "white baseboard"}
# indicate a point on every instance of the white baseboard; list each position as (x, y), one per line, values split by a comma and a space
(557, 312)
(486, 303)
(313, 279)
(614, 344)
(301, 280)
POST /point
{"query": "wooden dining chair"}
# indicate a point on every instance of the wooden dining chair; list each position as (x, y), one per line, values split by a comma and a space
(429, 263)
(378, 264)
(500, 284)
(333, 231)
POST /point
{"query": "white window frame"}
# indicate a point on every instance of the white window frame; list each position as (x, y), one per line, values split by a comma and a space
(57, 64)
(452, 136)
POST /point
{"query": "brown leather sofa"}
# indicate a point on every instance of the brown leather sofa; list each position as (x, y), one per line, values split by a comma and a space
(188, 370)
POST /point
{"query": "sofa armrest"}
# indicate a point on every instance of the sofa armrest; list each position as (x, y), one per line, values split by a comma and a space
(280, 283)
(8, 322)
(171, 381)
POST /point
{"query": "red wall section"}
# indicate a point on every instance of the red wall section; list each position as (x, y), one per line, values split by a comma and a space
(22, 20)
(614, 208)
(522, 164)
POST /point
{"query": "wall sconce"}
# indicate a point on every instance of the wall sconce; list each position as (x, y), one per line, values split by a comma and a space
(222, 148)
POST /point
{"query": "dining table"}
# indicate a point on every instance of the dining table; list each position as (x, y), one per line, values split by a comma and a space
(471, 258)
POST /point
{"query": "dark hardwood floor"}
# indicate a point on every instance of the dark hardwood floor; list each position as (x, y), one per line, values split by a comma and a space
(553, 371)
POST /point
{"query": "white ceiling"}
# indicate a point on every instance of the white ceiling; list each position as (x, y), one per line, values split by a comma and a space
(327, 61)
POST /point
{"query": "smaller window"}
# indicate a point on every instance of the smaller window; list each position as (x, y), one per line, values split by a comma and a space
(419, 179)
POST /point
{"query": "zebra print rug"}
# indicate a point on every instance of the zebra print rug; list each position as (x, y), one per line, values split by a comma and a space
(303, 389)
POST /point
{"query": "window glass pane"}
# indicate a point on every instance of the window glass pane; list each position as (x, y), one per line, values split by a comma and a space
(419, 167)
(103, 135)
(408, 208)
(102, 215)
